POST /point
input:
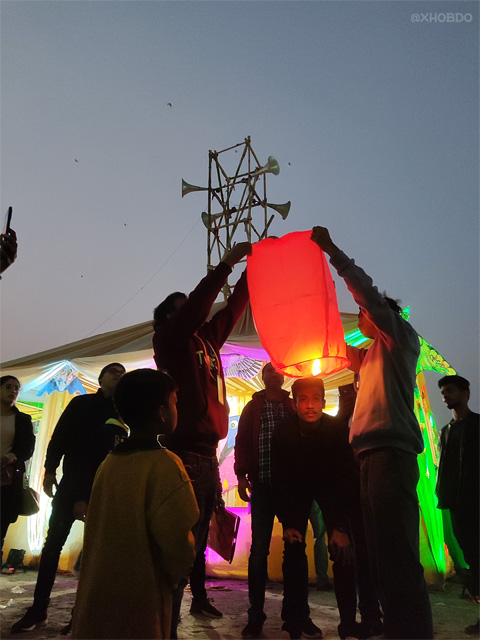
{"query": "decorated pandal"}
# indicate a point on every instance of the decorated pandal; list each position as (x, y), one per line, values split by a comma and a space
(50, 378)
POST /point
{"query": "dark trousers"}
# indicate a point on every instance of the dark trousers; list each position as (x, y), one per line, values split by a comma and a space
(347, 578)
(262, 517)
(203, 472)
(295, 609)
(59, 527)
(389, 500)
(465, 524)
(368, 604)
(7, 515)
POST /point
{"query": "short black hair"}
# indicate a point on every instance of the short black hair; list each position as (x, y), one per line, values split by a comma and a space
(461, 383)
(268, 364)
(164, 308)
(392, 303)
(139, 393)
(4, 379)
(107, 367)
(301, 383)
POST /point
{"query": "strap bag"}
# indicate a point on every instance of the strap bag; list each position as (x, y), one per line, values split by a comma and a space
(30, 503)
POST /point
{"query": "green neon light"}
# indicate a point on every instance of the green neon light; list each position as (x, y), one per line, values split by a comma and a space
(426, 490)
(355, 338)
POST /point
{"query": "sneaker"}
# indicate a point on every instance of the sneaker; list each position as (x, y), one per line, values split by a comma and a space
(473, 629)
(205, 608)
(32, 619)
(370, 630)
(310, 630)
(288, 631)
(252, 630)
(66, 629)
(324, 586)
(351, 631)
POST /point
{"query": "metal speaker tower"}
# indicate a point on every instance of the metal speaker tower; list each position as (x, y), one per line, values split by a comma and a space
(237, 191)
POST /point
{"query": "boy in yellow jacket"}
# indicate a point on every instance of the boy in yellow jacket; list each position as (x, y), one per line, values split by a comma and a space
(138, 540)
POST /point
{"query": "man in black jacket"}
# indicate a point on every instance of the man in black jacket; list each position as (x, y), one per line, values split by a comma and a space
(75, 440)
(267, 409)
(458, 476)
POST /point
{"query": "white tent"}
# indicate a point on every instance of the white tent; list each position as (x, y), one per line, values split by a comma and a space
(51, 377)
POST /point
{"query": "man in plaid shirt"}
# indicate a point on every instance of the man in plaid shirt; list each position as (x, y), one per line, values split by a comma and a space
(261, 415)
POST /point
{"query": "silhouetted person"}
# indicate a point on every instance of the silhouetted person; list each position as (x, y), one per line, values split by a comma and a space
(458, 476)
(17, 442)
(140, 513)
(387, 436)
(261, 415)
(188, 347)
(71, 440)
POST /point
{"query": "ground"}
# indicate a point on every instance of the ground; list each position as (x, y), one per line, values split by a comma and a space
(451, 612)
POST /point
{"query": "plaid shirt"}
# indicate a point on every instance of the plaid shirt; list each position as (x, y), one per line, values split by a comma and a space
(273, 413)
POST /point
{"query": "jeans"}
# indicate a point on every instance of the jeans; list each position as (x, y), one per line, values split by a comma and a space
(263, 514)
(59, 526)
(347, 578)
(203, 473)
(295, 609)
(465, 527)
(388, 481)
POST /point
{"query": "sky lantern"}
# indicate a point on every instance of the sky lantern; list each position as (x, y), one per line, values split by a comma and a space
(294, 306)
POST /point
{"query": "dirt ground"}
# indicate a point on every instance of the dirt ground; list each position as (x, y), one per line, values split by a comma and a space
(451, 612)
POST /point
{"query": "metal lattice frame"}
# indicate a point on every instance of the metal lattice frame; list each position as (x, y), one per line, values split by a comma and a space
(234, 196)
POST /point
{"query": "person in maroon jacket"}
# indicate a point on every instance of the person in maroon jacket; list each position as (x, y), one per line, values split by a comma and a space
(188, 348)
(261, 415)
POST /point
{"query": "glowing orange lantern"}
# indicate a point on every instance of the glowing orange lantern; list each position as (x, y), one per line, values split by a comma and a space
(294, 306)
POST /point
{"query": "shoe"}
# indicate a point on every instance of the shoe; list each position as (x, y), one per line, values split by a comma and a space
(353, 631)
(32, 619)
(288, 631)
(473, 629)
(66, 629)
(252, 630)
(205, 608)
(369, 630)
(324, 586)
(310, 630)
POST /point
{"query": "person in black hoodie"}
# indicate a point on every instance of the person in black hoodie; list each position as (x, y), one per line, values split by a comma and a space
(188, 347)
(17, 444)
(73, 440)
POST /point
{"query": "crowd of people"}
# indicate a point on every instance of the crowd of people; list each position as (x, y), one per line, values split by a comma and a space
(140, 468)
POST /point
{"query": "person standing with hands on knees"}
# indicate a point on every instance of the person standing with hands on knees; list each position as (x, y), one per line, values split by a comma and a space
(387, 436)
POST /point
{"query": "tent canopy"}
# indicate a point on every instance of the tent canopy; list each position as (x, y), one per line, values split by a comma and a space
(132, 346)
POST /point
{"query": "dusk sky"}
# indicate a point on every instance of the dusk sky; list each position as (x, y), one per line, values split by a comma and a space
(370, 108)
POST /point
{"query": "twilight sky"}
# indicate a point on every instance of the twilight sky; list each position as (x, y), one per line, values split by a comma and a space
(372, 116)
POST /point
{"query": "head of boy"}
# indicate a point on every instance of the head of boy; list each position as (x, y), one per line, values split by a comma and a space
(168, 308)
(455, 391)
(146, 400)
(109, 377)
(309, 398)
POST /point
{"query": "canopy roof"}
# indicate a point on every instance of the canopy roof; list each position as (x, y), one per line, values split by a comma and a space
(61, 368)
(132, 346)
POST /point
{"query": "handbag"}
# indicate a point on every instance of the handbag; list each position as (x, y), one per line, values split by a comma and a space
(222, 534)
(30, 504)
